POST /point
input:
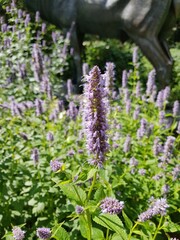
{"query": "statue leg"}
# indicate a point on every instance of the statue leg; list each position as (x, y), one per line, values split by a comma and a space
(166, 48)
(154, 52)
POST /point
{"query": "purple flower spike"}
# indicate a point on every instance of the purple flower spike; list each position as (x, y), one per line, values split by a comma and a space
(72, 112)
(168, 149)
(35, 155)
(128, 106)
(37, 17)
(160, 99)
(176, 108)
(38, 65)
(158, 206)
(27, 20)
(166, 93)
(60, 105)
(176, 172)
(124, 79)
(43, 233)
(50, 137)
(95, 117)
(46, 86)
(165, 189)
(127, 144)
(150, 82)
(145, 216)
(136, 112)
(157, 147)
(143, 128)
(109, 78)
(43, 27)
(18, 233)
(161, 117)
(39, 107)
(133, 162)
(111, 205)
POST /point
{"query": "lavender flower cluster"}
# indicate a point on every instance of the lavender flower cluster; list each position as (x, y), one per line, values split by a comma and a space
(18, 233)
(56, 165)
(111, 205)
(158, 206)
(43, 233)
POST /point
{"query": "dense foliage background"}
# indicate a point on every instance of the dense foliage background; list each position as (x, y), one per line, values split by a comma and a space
(41, 121)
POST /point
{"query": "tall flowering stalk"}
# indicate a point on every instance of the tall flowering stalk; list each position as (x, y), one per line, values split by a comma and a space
(109, 78)
(95, 117)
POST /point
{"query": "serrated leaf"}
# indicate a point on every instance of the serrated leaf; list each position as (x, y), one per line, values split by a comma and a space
(99, 194)
(111, 222)
(128, 222)
(60, 233)
(74, 192)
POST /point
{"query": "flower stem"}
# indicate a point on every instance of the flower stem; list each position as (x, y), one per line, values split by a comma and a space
(92, 186)
(107, 234)
(132, 229)
(87, 211)
(89, 224)
(158, 228)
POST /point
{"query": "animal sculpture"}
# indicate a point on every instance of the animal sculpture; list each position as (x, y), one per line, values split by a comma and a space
(146, 22)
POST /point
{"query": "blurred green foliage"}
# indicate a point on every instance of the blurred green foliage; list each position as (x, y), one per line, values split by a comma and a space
(98, 52)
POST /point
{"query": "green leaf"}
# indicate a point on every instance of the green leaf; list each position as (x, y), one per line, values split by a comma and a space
(74, 192)
(60, 233)
(99, 194)
(97, 234)
(32, 202)
(91, 173)
(111, 222)
(83, 226)
(116, 237)
(8, 236)
(171, 227)
(38, 208)
(128, 222)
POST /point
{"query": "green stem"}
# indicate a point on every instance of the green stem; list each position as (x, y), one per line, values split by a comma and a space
(158, 228)
(92, 186)
(107, 234)
(89, 224)
(132, 229)
(87, 211)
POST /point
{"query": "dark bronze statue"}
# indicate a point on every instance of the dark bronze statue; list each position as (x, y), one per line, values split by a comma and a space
(146, 22)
